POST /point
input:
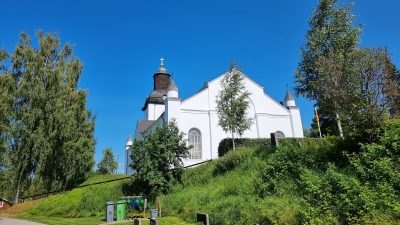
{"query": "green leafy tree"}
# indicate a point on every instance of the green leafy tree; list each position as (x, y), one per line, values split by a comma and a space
(6, 82)
(108, 164)
(331, 34)
(157, 160)
(232, 104)
(377, 90)
(49, 131)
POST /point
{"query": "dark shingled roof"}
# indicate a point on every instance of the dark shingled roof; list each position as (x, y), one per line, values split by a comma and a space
(144, 124)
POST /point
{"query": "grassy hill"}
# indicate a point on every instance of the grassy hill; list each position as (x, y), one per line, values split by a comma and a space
(84, 206)
(308, 181)
(86, 203)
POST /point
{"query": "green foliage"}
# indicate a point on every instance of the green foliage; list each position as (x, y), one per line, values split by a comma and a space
(354, 88)
(226, 144)
(79, 206)
(225, 190)
(232, 161)
(45, 124)
(303, 181)
(331, 30)
(323, 73)
(108, 164)
(157, 160)
(232, 104)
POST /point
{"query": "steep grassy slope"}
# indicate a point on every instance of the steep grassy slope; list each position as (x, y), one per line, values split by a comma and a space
(226, 190)
(81, 206)
(87, 203)
(312, 182)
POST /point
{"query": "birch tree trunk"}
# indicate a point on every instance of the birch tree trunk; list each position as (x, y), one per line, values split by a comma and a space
(233, 141)
(339, 126)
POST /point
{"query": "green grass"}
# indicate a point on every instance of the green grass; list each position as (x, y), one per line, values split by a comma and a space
(225, 189)
(307, 183)
(81, 202)
(169, 220)
(84, 205)
(311, 182)
(61, 220)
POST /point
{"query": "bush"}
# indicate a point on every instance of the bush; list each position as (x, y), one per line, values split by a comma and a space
(226, 144)
(303, 181)
(231, 161)
(265, 143)
(333, 197)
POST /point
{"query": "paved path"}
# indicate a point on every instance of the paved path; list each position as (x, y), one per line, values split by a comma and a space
(9, 221)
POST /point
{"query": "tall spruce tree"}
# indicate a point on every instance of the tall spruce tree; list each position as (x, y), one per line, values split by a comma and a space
(49, 130)
(331, 34)
(232, 104)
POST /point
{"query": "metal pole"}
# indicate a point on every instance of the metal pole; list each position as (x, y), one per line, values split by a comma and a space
(317, 118)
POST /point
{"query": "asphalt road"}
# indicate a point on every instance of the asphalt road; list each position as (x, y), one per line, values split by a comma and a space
(9, 221)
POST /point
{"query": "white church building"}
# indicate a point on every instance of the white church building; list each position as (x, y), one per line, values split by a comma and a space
(197, 117)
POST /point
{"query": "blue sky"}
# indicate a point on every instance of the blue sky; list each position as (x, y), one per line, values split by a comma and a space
(120, 43)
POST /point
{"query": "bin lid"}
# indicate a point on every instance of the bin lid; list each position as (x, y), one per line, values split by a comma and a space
(110, 203)
(121, 202)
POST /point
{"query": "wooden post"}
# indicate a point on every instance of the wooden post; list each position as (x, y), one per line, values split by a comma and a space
(158, 206)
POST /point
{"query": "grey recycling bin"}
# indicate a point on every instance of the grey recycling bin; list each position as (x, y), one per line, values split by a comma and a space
(110, 212)
(154, 213)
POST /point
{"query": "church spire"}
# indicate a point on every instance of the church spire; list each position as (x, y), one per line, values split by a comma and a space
(289, 100)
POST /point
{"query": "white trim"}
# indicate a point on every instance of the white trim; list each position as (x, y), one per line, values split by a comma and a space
(209, 122)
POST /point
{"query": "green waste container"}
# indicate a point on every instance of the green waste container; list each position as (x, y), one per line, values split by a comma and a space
(121, 210)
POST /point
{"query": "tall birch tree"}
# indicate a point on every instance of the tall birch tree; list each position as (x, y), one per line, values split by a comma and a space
(232, 104)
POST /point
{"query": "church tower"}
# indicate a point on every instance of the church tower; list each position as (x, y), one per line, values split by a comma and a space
(172, 103)
(154, 105)
(295, 118)
(161, 77)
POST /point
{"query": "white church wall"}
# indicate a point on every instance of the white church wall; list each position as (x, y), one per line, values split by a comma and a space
(263, 103)
(253, 131)
(196, 119)
(276, 123)
(158, 110)
(154, 111)
(199, 101)
(296, 121)
(173, 106)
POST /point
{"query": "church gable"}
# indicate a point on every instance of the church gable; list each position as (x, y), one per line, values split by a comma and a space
(262, 103)
(199, 101)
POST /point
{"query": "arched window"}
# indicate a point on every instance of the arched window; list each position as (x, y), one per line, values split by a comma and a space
(195, 143)
(280, 134)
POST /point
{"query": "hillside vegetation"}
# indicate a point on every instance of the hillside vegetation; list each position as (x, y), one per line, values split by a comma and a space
(87, 203)
(81, 206)
(305, 181)
(312, 181)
